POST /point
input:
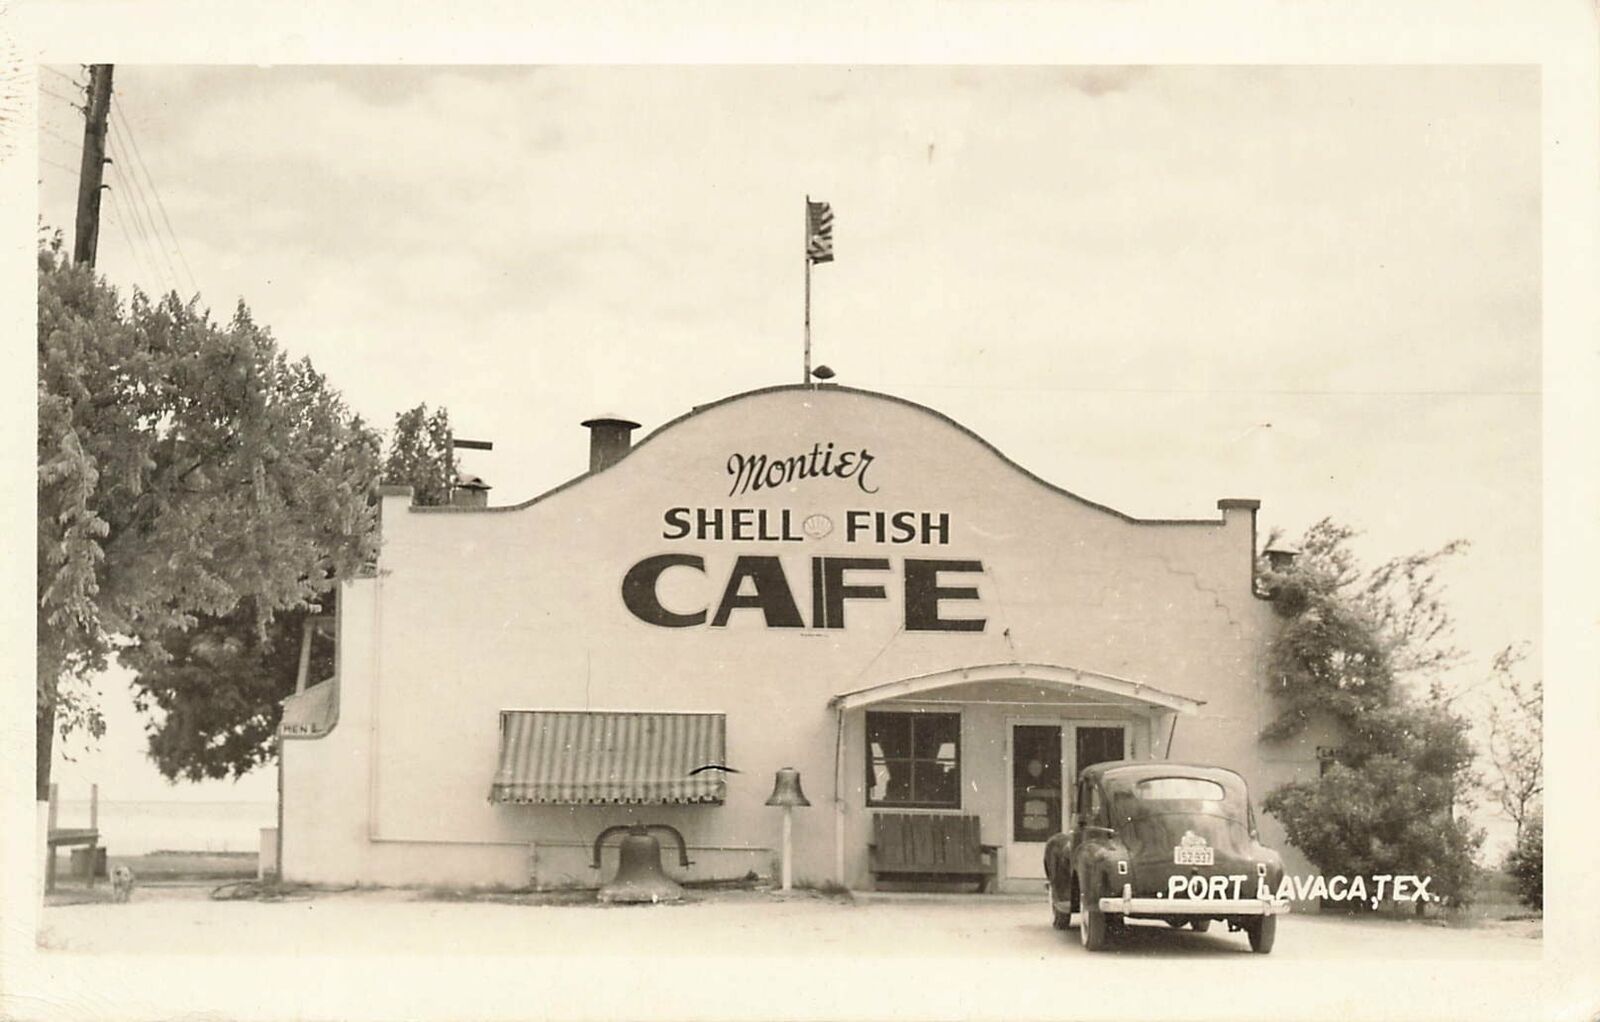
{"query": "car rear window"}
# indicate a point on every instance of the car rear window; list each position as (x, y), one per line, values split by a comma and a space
(1192, 788)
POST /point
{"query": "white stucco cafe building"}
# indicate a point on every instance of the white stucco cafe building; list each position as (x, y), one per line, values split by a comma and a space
(818, 577)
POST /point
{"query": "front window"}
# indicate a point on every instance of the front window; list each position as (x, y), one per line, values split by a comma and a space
(914, 759)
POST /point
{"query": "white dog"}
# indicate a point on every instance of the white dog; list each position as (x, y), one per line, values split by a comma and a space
(121, 883)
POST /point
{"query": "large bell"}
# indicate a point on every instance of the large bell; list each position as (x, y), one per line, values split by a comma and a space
(786, 789)
(640, 878)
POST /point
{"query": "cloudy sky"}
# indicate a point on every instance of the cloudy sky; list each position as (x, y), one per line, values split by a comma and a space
(1155, 287)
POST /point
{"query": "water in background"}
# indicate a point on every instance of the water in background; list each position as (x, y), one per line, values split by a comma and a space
(134, 828)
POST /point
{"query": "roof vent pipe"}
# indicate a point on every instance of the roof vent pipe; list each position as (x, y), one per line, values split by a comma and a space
(610, 437)
(1281, 556)
(470, 491)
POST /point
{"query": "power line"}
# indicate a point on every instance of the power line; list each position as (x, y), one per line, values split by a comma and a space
(125, 219)
(129, 175)
(148, 267)
(144, 227)
(139, 242)
(127, 130)
(58, 136)
(121, 221)
(63, 75)
(56, 95)
(53, 163)
(133, 253)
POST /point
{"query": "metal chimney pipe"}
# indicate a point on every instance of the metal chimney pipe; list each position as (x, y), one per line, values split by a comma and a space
(610, 437)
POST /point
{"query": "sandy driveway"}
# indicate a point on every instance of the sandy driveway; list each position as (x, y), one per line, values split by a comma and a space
(185, 921)
(174, 954)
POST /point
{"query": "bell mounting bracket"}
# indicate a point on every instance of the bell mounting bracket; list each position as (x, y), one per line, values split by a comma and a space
(640, 830)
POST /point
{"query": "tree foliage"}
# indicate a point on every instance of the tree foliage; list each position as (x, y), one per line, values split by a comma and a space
(1348, 633)
(186, 468)
(1386, 816)
(214, 694)
(1516, 738)
(421, 455)
(1353, 647)
(1525, 862)
(212, 697)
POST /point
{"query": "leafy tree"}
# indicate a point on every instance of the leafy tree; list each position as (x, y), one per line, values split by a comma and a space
(1516, 739)
(1386, 816)
(185, 467)
(214, 693)
(421, 455)
(1347, 634)
(1352, 648)
(1525, 862)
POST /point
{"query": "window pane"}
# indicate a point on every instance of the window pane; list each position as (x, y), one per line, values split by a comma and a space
(913, 758)
(1180, 787)
(937, 783)
(889, 734)
(1099, 744)
(890, 781)
(933, 730)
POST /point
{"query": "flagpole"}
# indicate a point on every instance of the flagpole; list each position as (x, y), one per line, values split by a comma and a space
(805, 252)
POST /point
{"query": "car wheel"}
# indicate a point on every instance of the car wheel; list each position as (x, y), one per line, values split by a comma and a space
(1060, 919)
(1091, 922)
(1262, 931)
(1200, 925)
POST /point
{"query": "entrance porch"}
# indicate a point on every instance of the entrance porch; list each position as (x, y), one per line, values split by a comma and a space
(1002, 743)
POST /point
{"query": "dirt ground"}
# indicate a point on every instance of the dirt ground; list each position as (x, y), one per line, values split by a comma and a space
(184, 919)
(173, 952)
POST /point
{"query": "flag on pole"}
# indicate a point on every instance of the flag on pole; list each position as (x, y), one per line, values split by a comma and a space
(819, 233)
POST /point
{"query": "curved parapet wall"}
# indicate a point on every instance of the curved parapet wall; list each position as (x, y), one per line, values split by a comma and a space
(754, 558)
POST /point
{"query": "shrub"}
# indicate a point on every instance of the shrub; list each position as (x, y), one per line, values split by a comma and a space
(1385, 817)
(1525, 863)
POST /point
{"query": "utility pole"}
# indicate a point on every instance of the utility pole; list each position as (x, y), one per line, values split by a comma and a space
(86, 236)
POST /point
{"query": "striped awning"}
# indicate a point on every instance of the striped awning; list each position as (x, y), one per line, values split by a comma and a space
(576, 757)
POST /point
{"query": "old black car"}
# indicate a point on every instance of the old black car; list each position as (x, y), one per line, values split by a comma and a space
(1149, 839)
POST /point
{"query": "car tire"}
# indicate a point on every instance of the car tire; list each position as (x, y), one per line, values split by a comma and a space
(1262, 931)
(1059, 918)
(1200, 925)
(1092, 930)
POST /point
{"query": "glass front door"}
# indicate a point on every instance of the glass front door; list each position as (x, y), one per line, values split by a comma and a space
(1045, 760)
(1098, 745)
(1036, 796)
(1035, 782)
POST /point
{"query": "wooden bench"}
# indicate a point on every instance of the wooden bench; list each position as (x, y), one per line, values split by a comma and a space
(72, 837)
(927, 846)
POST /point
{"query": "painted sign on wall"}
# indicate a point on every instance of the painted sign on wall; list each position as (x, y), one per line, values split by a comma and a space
(760, 582)
(931, 589)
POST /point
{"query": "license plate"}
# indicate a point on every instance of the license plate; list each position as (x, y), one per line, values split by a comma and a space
(1187, 856)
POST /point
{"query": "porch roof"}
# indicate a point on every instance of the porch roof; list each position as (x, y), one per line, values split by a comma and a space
(1045, 676)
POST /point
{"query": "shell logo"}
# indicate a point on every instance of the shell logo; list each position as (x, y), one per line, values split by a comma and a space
(817, 526)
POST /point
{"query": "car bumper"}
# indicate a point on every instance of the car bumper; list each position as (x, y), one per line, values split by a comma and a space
(1127, 904)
